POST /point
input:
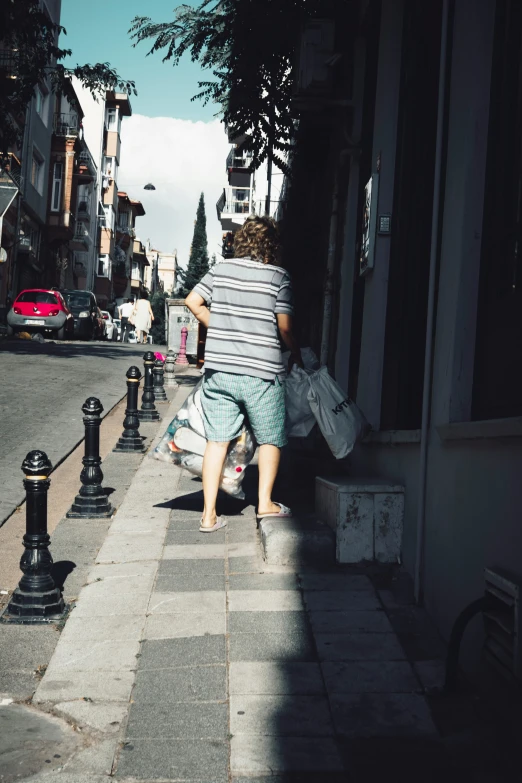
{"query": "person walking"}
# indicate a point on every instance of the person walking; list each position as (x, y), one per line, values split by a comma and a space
(125, 311)
(143, 317)
(245, 302)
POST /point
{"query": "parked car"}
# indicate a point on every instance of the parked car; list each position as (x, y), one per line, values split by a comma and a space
(111, 332)
(82, 305)
(101, 329)
(40, 310)
(117, 325)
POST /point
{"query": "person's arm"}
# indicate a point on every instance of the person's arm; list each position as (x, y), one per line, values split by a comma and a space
(285, 326)
(198, 308)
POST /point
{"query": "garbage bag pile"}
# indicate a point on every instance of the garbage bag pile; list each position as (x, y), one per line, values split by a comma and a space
(184, 444)
(312, 395)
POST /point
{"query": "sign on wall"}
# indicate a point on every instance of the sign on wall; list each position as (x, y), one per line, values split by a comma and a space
(369, 224)
(179, 316)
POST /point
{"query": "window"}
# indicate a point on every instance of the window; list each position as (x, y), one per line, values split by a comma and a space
(123, 219)
(112, 119)
(79, 301)
(109, 217)
(109, 166)
(403, 368)
(56, 197)
(497, 385)
(37, 297)
(37, 170)
(104, 266)
(41, 104)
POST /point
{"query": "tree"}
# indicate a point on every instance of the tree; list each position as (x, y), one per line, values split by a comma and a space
(250, 48)
(30, 55)
(158, 330)
(198, 264)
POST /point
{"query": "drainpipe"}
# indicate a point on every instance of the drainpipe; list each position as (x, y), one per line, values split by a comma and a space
(330, 271)
(430, 321)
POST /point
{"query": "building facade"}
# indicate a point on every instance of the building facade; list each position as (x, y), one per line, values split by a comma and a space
(410, 221)
(24, 227)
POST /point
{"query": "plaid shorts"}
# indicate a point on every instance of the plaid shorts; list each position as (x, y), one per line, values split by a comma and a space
(227, 397)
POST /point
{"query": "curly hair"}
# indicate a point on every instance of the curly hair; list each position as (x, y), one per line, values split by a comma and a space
(258, 239)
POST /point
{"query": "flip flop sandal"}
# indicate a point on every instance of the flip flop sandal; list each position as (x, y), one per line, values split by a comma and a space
(220, 523)
(285, 513)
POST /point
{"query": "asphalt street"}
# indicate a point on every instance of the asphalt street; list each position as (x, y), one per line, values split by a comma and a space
(42, 390)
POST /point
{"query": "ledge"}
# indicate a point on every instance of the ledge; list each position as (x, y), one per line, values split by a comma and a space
(391, 437)
(480, 430)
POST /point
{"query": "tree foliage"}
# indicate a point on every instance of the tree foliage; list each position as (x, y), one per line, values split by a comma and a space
(250, 48)
(158, 328)
(30, 55)
(198, 264)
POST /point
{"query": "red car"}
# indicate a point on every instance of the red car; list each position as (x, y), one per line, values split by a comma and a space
(40, 310)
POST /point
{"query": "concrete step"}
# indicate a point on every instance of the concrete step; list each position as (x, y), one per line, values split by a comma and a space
(300, 541)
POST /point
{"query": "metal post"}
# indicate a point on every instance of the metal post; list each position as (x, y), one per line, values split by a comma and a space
(36, 599)
(131, 439)
(92, 500)
(169, 373)
(159, 388)
(182, 355)
(148, 410)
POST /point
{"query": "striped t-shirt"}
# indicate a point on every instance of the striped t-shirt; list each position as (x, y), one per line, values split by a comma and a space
(244, 297)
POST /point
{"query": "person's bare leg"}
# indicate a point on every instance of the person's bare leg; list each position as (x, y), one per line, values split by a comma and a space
(213, 462)
(268, 465)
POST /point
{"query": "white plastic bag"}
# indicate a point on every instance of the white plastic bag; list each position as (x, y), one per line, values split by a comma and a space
(299, 417)
(184, 444)
(339, 419)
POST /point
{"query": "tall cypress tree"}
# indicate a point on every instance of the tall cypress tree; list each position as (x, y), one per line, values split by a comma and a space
(198, 264)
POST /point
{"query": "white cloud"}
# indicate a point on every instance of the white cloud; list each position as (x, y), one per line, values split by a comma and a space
(181, 159)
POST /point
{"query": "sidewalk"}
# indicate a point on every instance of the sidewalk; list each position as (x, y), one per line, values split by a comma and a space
(187, 659)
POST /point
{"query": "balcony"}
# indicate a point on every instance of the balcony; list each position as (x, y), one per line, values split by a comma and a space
(84, 209)
(87, 166)
(238, 162)
(81, 234)
(15, 170)
(233, 207)
(9, 62)
(66, 124)
(25, 245)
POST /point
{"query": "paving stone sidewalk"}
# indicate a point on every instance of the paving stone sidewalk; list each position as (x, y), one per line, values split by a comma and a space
(186, 658)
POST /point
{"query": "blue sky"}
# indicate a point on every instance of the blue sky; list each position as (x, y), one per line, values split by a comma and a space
(178, 145)
(97, 32)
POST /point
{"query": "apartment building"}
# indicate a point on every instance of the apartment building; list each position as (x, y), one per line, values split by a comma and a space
(117, 106)
(151, 271)
(167, 271)
(24, 224)
(138, 265)
(72, 198)
(249, 191)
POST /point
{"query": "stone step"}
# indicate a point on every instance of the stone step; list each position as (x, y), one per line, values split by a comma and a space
(300, 541)
(366, 515)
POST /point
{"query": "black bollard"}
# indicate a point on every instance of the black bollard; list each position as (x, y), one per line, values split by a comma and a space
(131, 439)
(91, 501)
(36, 599)
(159, 388)
(148, 410)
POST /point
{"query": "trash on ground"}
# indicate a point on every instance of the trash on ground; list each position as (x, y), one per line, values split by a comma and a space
(184, 444)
